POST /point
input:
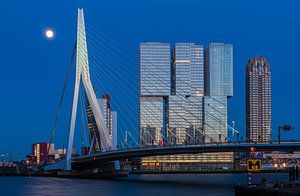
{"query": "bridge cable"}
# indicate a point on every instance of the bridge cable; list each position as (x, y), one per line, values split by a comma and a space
(152, 104)
(61, 99)
(101, 84)
(174, 111)
(154, 86)
(225, 123)
(184, 82)
(120, 84)
(156, 76)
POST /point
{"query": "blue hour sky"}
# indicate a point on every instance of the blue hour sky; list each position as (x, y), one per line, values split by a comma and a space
(33, 68)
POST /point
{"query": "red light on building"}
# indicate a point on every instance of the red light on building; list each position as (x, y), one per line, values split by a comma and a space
(161, 143)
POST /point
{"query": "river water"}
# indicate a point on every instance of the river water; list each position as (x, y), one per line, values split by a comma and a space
(154, 185)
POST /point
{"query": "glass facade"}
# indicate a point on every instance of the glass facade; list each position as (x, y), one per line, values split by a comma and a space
(215, 112)
(187, 70)
(189, 162)
(172, 103)
(218, 87)
(218, 70)
(258, 104)
(185, 103)
(185, 120)
(151, 120)
(154, 89)
(154, 60)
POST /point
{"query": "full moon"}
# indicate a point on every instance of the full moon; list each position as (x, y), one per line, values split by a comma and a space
(49, 33)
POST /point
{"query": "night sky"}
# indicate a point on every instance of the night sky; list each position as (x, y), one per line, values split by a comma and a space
(33, 68)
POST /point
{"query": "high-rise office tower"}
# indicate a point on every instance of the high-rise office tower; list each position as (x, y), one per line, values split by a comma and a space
(94, 135)
(171, 107)
(105, 107)
(154, 69)
(219, 70)
(185, 103)
(114, 129)
(109, 120)
(258, 100)
(154, 90)
(218, 87)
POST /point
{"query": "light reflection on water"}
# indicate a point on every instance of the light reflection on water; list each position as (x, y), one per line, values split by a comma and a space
(194, 184)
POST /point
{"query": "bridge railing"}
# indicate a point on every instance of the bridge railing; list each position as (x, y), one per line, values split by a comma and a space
(198, 144)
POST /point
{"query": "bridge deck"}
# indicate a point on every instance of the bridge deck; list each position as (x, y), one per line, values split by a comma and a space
(171, 150)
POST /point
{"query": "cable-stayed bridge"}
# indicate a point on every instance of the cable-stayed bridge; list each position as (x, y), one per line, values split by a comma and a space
(102, 151)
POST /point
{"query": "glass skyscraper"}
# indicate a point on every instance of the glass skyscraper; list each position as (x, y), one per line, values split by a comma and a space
(219, 70)
(258, 100)
(154, 69)
(218, 87)
(151, 120)
(172, 103)
(187, 69)
(185, 103)
(215, 119)
(154, 90)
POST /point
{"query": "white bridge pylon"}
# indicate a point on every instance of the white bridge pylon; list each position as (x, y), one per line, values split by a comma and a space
(83, 74)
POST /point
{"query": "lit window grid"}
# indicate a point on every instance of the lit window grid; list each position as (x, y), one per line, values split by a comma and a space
(219, 70)
(151, 121)
(258, 105)
(188, 62)
(184, 115)
(155, 65)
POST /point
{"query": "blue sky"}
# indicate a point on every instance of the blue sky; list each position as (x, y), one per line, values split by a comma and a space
(33, 68)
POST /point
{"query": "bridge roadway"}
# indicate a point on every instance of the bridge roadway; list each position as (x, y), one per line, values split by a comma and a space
(172, 150)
